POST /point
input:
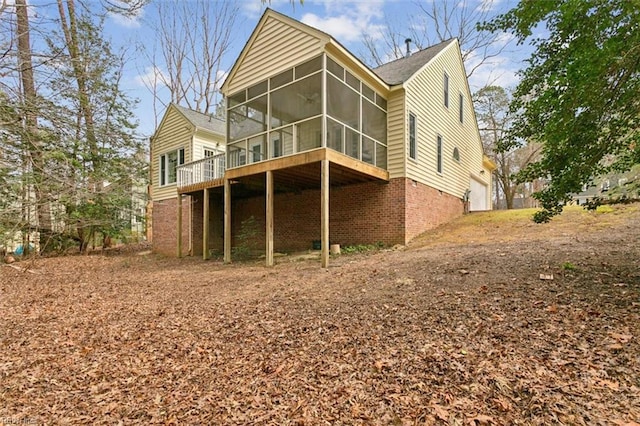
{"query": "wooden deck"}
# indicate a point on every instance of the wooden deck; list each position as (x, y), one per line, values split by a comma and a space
(320, 168)
(200, 186)
(297, 171)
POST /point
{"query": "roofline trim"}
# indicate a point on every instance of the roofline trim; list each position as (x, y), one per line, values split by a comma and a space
(268, 13)
(419, 70)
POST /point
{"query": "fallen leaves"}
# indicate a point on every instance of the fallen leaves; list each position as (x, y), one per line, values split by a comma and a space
(149, 340)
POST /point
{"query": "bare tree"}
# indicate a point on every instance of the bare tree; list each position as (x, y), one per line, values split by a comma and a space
(33, 154)
(492, 112)
(437, 21)
(192, 40)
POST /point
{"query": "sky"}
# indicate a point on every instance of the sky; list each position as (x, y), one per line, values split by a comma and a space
(346, 20)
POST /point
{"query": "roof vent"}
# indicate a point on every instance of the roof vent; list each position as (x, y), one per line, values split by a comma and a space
(408, 43)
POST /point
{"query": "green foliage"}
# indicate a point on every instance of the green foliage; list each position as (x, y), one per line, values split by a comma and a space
(568, 266)
(579, 95)
(246, 238)
(361, 248)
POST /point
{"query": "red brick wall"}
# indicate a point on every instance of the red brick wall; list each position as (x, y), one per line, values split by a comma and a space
(359, 214)
(367, 213)
(165, 217)
(427, 208)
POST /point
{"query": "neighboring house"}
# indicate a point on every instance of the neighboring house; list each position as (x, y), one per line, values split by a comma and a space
(321, 147)
(183, 136)
(610, 187)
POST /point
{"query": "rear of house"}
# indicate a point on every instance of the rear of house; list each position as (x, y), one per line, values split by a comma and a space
(319, 147)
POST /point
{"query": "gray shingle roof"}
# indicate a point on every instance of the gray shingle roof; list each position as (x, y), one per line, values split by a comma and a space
(399, 71)
(203, 121)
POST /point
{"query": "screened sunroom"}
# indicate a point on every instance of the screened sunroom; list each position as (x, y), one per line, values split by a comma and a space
(316, 104)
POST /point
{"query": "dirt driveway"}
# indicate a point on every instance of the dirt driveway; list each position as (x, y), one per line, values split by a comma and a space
(459, 328)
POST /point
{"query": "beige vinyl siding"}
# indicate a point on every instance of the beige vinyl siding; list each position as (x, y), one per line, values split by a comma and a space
(397, 125)
(174, 132)
(425, 98)
(202, 140)
(277, 47)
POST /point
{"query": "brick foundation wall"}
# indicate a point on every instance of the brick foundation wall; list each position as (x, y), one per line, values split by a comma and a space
(367, 213)
(427, 208)
(165, 218)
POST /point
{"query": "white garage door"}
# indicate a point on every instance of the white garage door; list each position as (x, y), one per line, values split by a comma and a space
(478, 196)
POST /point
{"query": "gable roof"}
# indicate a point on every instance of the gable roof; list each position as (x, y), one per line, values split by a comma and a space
(202, 121)
(400, 70)
(325, 39)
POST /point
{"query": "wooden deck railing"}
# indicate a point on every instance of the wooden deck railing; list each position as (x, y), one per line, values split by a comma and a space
(209, 168)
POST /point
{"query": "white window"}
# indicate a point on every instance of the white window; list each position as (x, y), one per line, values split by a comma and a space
(413, 148)
(209, 152)
(169, 163)
(439, 154)
(446, 90)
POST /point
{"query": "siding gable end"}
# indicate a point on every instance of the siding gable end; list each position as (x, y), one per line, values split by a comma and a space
(174, 132)
(425, 98)
(278, 43)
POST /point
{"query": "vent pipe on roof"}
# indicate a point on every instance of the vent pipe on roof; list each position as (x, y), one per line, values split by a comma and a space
(408, 42)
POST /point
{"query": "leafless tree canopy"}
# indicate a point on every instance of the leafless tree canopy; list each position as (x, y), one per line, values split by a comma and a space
(492, 111)
(192, 39)
(438, 21)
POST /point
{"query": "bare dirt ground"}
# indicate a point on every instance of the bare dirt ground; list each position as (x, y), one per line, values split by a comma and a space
(457, 329)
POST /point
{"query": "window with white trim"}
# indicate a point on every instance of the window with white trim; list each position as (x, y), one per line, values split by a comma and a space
(439, 154)
(461, 108)
(169, 163)
(413, 147)
(446, 90)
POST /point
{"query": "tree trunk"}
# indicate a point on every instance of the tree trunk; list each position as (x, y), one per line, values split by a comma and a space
(30, 141)
(70, 31)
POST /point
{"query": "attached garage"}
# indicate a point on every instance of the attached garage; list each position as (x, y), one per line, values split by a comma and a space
(479, 196)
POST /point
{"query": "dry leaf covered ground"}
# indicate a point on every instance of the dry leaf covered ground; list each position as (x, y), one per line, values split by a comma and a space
(457, 329)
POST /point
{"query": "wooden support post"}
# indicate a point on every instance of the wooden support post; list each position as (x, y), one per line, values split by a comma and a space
(205, 225)
(179, 230)
(269, 221)
(227, 221)
(324, 214)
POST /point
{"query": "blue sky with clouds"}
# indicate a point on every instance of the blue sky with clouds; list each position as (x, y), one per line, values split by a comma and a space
(347, 21)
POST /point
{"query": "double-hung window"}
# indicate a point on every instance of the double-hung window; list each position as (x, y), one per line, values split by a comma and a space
(439, 154)
(446, 90)
(169, 163)
(413, 148)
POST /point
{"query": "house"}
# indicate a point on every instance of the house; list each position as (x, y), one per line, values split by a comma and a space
(183, 136)
(321, 147)
(611, 186)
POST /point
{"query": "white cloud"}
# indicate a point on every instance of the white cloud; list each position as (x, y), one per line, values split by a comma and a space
(221, 76)
(152, 76)
(498, 71)
(254, 8)
(349, 21)
(127, 21)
